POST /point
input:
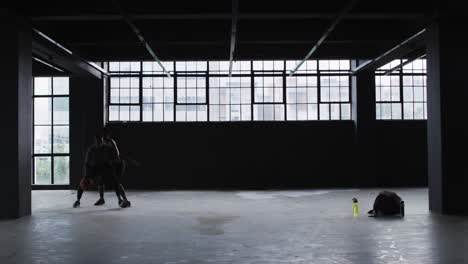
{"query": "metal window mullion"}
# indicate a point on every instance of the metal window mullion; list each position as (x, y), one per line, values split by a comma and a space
(176, 98)
(52, 135)
(108, 95)
(319, 94)
(349, 97)
(140, 90)
(207, 94)
(400, 76)
(252, 92)
(285, 112)
(33, 174)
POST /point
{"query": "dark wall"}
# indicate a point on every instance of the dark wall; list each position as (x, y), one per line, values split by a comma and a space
(237, 155)
(401, 148)
(266, 155)
(86, 118)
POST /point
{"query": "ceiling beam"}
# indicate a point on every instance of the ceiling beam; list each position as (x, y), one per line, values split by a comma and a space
(228, 16)
(235, 13)
(398, 51)
(48, 64)
(408, 61)
(327, 32)
(137, 32)
(50, 51)
(221, 42)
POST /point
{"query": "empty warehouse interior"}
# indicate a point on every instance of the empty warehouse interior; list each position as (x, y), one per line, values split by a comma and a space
(242, 131)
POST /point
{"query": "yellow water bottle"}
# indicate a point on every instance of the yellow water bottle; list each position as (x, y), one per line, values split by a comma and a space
(355, 207)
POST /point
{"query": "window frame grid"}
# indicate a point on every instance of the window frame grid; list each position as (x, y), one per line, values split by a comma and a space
(52, 153)
(237, 75)
(274, 74)
(252, 74)
(330, 103)
(401, 74)
(138, 75)
(174, 94)
(196, 74)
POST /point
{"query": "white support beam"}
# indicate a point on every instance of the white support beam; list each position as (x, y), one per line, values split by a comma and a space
(137, 32)
(403, 47)
(325, 35)
(235, 13)
(52, 52)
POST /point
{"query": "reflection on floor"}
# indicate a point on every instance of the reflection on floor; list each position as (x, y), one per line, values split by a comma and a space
(308, 226)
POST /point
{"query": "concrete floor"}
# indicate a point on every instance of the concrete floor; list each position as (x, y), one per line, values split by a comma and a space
(311, 226)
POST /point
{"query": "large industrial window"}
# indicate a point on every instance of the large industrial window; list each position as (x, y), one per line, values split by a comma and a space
(401, 94)
(51, 158)
(319, 91)
(230, 97)
(158, 98)
(191, 91)
(203, 91)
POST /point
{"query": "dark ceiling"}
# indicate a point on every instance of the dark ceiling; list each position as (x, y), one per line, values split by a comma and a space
(202, 29)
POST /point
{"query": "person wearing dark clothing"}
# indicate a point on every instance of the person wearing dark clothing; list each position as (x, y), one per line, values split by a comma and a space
(118, 167)
(99, 162)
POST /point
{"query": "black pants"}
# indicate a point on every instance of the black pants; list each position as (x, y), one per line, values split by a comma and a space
(102, 174)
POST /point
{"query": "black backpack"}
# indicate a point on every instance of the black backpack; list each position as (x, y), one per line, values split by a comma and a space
(388, 203)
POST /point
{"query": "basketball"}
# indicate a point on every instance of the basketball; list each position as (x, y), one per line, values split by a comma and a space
(86, 183)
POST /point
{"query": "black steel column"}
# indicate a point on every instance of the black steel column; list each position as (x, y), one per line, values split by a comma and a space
(447, 116)
(363, 112)
(86, 118)
(16, 109)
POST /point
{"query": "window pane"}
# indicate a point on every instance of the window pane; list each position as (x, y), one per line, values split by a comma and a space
(42, 86)
(42, 111)
(246, 112)
(258, 112)
(312, 112)
(61, 170)
(147, 112)
(158, 112)
(345, 112)
(324, 112)
(42, 170)
(61, 86)
(134, 113)
(61, 139)
(168, 112)
(279, 112)
(114, 96)
(418, 111)
(202, 113)
(408, 93)
(61, 115)
(386, 111)
(292, 112)
(124, 96)
(113, 113)
(42, 139)
(408, 110)
(302, 112)
(124, 113)
(396, 111)
(335, 112)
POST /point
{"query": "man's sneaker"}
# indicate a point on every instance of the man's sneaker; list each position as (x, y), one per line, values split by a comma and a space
(76, 204)
(100, 202)
(125, 204)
